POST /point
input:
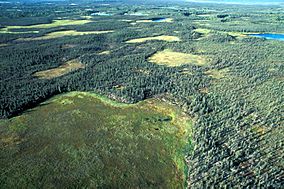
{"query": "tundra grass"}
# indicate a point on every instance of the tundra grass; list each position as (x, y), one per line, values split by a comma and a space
(3, 45)
(54, 35)
(105, 53)
(203, 31)
(69, 66)
(55, 23)
(159, 38)
(83, 140)
(172, 59)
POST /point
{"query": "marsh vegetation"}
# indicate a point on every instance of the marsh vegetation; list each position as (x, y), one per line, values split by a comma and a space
(87, 141)
(194, 98)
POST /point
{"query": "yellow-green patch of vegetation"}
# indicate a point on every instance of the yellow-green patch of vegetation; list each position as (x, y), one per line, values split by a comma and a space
(203, 31)
(159, 38)
(66, 101)
(185, 71)
(90, 143)
(3, 45)
(171, 58)
(55, 23)
(119, 87)
(237, 34)
(7, 31)
(69, 66)
(54, 35)
(261, 130)
(217, 74)
(125, 20)
(12, 137)
(104, 53)
(204, 90)
(87, 17)
(103, 99)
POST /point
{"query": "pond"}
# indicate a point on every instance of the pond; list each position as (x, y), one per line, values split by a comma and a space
(101, 14)
(158, 19)
(269, 36)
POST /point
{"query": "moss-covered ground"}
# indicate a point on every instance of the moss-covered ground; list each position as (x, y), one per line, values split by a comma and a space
(82, 140)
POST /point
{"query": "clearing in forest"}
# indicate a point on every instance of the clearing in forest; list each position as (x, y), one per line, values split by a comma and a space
(217, 74)
(171, 58)
(81, 139)
(55, 23)
(159, 38)
(3, 45)
(69, 66)
(203, 31)
(104, 53)
(58, 34)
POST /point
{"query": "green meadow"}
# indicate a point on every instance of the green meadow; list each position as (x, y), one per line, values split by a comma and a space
(88, 141)
(55, 23)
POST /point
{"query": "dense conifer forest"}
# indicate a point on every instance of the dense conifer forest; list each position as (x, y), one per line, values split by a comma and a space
(235, 98)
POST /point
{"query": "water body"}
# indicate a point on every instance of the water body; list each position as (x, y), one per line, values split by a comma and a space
(158, 19)
(269, 36)
(101, 14)
(136, 14)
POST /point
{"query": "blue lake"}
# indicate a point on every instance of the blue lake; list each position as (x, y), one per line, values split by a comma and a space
(158, 19)
(101, 14)
(269, 36)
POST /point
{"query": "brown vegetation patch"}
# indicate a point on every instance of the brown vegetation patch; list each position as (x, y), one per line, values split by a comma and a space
(69, 66)
(204, 90)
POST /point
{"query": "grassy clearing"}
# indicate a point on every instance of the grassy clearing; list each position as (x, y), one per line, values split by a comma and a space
(104, 53)
(217, 74)
(87, 17)
(69, 66)
(171, 58)
(85, 140)
(68, 46)
(237, 34)
(125, 20)
(203, 31)
(55, 23)
(206, 32)
(54, 35)
(159, 38)
(7, 31)
(3, 45)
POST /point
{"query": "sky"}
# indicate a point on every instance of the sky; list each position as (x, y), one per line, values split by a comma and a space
(240, 1)
(264, 2)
